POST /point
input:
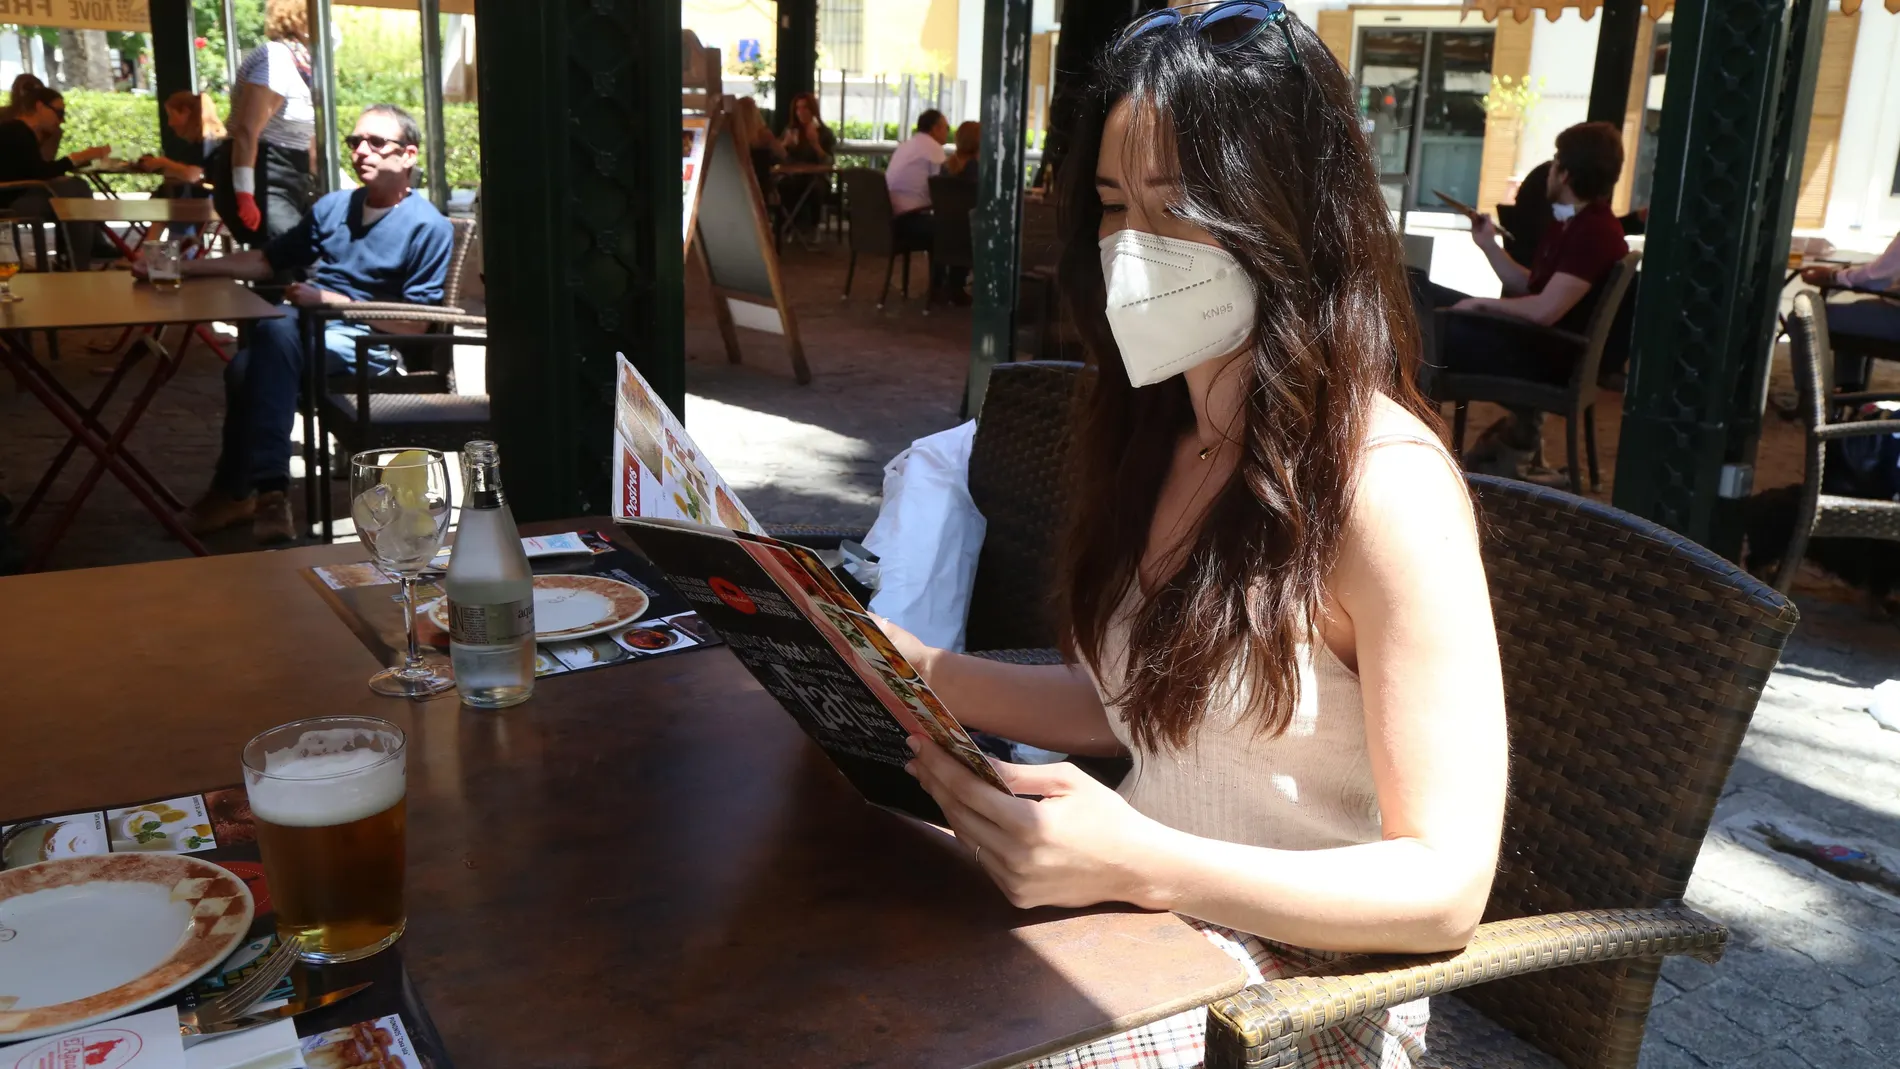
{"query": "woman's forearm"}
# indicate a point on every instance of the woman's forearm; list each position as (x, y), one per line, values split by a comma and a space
(1394, 896)
(1051, 706)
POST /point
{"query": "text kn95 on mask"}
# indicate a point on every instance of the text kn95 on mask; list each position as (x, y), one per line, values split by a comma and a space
(1173, 304)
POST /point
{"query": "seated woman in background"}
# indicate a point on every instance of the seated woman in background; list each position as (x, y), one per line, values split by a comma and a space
(194, 118)
(962, 165)
(807, 140)
(1271, 594)
(755, 137)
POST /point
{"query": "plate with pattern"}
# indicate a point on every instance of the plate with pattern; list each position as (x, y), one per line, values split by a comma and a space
(86, 939)
(568, 607)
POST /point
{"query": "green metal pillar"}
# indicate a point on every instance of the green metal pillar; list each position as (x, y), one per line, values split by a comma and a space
(1617, 34)
(436, 151)
(174, 67)
(997, 222)
(1703, 322)
(581, 234)
(797, 58)
(1794, 103)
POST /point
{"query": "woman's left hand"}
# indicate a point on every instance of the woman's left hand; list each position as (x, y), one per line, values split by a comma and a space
(1079, 845)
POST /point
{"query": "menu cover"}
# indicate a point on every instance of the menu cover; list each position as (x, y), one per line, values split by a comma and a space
(787, 618)
(658, 471)
(810, 645)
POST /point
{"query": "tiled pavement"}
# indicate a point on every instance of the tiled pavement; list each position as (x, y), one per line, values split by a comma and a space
(1813, 976)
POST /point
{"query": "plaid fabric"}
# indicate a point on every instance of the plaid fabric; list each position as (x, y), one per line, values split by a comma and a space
(1394, 1039)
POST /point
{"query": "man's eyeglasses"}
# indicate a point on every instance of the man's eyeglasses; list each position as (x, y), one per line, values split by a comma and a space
(379, 144)
(1225, 24)
(60, 114)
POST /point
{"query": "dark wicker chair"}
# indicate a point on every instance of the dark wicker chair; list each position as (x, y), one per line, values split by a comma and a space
(361, 412)
(1575, 400)
(1633, 659)
(1820, 514)
(868, 201)
(952, 201)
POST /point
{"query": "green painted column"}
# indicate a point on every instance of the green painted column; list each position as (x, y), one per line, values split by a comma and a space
(997, 223)
(796, 56)
(1087, 28)
(173, 68)
(1703, 321)
(581, 234)
(1620, 26)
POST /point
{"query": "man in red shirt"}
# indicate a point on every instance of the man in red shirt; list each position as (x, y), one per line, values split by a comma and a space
(1582, 242)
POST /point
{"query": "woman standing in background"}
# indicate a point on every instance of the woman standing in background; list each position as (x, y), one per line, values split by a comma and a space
(262, 178)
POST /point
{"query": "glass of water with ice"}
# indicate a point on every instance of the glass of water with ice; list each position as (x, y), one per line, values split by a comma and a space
(399, 499)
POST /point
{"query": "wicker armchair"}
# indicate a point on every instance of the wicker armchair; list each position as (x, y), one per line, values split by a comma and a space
(1820, 514)
(1633, 659)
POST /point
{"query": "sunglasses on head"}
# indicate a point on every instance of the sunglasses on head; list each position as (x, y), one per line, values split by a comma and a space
(380, 144)
(1224, 24)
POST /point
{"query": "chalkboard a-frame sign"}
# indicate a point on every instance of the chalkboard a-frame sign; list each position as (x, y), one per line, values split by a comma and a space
(736, 255)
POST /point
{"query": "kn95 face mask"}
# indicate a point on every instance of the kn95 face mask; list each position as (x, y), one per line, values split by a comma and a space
(1173, 304)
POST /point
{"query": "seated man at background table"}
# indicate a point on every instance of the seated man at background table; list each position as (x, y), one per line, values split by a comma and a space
(40, 115)
(376, 243)
(908, 178)
(1871, 314)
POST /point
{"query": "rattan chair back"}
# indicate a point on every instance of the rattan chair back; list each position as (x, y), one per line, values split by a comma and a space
(1018, 479)
(868, 204)
(458, 260)
(1633, 659)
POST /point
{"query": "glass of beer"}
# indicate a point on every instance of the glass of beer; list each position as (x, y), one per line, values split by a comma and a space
(9, 264)
(328, 798)
(162, 261)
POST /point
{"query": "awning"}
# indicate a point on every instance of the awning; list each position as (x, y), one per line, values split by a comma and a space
(1521, 10)
(135, 16)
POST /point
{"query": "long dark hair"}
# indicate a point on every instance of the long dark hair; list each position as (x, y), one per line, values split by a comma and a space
(1273, 164)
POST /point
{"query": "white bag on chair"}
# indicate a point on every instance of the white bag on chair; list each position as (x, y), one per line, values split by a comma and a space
(927, 537)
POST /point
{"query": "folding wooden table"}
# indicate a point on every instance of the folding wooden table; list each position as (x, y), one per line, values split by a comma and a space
(90, 300)
(142, 214)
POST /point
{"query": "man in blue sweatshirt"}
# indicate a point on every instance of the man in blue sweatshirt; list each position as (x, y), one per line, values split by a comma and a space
(380, 242)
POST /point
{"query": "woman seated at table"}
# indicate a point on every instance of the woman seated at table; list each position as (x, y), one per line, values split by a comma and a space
(194, 118)
(807, 140)
(21, 160)
(1271, 595)
(969, 141)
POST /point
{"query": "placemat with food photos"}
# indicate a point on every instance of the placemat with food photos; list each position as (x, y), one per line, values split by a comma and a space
(384, 1025)
(369, 601)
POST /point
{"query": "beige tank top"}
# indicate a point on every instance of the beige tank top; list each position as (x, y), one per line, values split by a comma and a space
(1308, 789)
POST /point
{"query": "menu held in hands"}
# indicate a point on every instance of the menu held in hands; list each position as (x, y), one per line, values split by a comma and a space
(790, 622)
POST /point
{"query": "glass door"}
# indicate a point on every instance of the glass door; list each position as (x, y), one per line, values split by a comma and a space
(1421, 96)
(1391, 65)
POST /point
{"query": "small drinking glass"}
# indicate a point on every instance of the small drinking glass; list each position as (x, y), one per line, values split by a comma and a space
(9, 264)
(161, 265)
(399, 499)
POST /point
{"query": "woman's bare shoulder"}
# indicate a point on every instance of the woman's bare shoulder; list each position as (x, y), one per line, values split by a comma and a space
(1407, 478)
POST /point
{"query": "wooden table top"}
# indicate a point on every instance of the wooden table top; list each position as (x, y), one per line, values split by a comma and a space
(645, 863)
(154, 210)
(78, 300)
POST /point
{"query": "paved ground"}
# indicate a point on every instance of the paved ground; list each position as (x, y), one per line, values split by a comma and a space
(1815, 967)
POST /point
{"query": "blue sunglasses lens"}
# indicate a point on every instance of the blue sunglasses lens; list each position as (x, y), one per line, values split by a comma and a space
(1232, 24)
(1156, 21)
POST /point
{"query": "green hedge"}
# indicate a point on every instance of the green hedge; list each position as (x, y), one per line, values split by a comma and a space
(129, 123)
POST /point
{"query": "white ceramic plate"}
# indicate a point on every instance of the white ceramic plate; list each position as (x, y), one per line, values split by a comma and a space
(86, 939)
(572, 606)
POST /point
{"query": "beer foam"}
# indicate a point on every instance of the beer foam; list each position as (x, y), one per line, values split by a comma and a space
(308, 785)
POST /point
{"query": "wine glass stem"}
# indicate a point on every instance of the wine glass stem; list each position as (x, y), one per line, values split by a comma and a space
(409, 622)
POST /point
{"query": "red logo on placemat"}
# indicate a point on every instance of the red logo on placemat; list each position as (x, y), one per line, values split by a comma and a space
(252, 874)
(96, 1048)
(734, 598)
